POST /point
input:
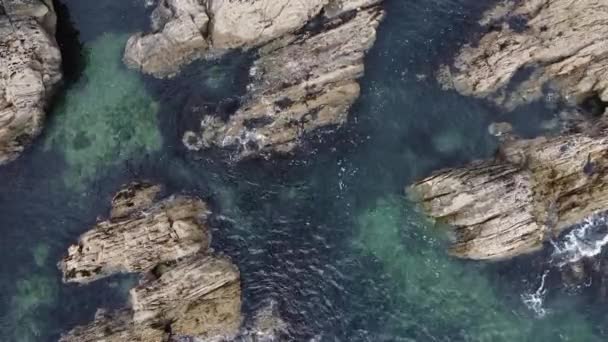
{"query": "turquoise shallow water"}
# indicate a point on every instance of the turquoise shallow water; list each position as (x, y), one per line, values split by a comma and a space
(328, 234)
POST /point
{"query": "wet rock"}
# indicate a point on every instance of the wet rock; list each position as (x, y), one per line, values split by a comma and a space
(498, 129)
(300, 83)
(185, 292)
(267, 326)
(305, 79)
(30, 71)
(535, 44)
(533, 191)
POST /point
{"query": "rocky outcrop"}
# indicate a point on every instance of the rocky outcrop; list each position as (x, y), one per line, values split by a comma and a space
(30, 71)
(185, 30)
(200, 296)
(305, 79)
(184, 291)
(535, 45)
(114, 327)
(532, 192)
(300, 84)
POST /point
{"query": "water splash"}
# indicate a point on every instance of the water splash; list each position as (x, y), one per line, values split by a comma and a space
(584, 241)
(535, 300)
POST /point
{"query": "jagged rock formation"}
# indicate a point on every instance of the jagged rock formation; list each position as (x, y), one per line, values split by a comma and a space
(300, 83)
(30, 71)
(184, 291)
(136, 243)
(311, 55)
(199, 296)
(267, 326)
(536, 44)
(186, 30)
(532, 191)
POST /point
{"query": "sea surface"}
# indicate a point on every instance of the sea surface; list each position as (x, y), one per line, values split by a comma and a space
(328, 234)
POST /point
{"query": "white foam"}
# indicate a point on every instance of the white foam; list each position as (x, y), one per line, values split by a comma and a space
(584, 241)
(534, 301)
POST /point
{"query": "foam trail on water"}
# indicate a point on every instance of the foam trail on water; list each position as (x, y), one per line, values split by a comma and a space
(534, 301)
(584, 241)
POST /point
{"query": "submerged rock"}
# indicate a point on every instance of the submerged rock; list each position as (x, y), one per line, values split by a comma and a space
(534, 44)
(30, 71)
(533, 191)
(305, 78)
(184, 291)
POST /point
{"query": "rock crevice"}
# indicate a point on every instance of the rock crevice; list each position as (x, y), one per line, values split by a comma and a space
(30, 72)
(310, 57)
(561, 42)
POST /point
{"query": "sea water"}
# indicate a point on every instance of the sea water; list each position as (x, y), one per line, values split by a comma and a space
(327, 236)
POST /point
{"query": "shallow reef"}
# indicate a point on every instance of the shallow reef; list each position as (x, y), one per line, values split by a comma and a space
(105, 118)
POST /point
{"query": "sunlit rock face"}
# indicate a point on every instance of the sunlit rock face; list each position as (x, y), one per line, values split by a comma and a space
(304, 80)
(299, 84)
(512, 205)
(532, 45)
(184, 291)
(534, 189)
(105, 118)
(30, 71)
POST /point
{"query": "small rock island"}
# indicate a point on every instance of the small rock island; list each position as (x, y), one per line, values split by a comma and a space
(30, 71)
(184, 289)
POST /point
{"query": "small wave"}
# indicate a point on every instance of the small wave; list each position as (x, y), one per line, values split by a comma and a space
(534, 301)
(584, 241)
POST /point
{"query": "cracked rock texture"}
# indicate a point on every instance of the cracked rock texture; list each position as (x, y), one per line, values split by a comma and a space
(30, 71)
(184, 291)
(300, 84)
(533, 191)
(135, 241)
(536, 45)
(186, 30)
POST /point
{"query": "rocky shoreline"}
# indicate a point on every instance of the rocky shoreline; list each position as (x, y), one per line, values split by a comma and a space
(534, 189)
(310, 56)
(30, 71)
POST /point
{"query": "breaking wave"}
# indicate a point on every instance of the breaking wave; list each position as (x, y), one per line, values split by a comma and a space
(585, 240)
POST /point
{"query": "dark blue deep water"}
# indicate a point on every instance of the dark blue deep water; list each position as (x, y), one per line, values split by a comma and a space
(327, 234)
